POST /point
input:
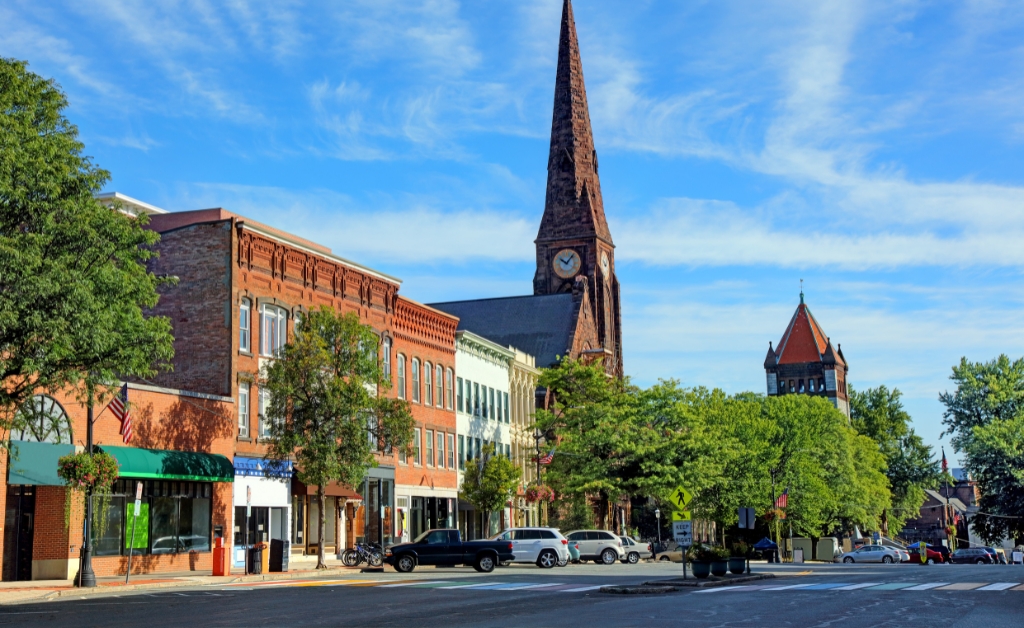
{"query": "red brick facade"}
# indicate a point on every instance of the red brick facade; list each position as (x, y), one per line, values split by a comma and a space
(161, 419)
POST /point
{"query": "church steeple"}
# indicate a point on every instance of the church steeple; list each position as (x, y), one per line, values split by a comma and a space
(573, 206)
(574, 243)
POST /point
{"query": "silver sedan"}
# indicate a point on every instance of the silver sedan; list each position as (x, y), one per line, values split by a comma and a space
(635, 550)
(872, 554)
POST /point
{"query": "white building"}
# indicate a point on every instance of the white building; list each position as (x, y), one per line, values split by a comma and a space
(482, 414)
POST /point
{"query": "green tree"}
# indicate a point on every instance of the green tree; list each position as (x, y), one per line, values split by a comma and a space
(985, 417)
(878, 414)
(490, 482)
(327, 405)
(592, 420)
(73, 280)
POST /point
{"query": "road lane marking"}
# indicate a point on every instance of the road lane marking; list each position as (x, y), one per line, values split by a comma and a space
(724, 589)
(581, 589)
(925, 587)
(410, 583)
(862, 585)
(539, 586)
(472, 586)
(826, 586)
(893, 586)
(786, 588)
(999, 586)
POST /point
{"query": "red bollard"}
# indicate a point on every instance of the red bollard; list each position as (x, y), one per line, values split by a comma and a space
(218, 557)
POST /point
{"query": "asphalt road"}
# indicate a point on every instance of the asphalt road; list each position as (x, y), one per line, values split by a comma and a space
(983, 596)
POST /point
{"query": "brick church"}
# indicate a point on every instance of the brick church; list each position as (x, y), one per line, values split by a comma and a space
(574, 309)
(806, 362)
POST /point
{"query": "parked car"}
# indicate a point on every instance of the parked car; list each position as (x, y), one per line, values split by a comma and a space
(600, 546)
(675, 555)
(872, 554)
(445, 547)
(998, 556)
(536, 545)
(635, 550)
(975, 555)
(574, 551)
(904, 555)
(932, 555)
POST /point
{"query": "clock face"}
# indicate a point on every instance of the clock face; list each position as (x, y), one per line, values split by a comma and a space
(605, 266)
(567, 263)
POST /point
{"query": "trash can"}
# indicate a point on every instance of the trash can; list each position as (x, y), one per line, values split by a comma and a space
(279, 550)
(256, 559)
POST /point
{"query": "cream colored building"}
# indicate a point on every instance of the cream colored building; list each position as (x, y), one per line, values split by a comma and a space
(523, 376)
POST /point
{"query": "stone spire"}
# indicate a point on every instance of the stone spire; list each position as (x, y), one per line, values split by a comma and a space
(573, 207)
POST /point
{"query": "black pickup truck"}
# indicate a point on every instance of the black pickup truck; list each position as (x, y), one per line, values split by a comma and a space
(445, 547)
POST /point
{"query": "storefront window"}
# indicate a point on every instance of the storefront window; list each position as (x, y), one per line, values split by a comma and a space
(173, 517)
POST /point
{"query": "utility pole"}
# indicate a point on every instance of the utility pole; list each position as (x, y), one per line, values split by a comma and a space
(86, 577)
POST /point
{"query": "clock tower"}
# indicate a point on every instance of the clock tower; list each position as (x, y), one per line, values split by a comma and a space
(574, 244)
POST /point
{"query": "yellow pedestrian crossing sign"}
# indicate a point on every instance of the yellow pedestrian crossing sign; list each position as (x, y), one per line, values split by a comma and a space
(680, 499)
(681, 515)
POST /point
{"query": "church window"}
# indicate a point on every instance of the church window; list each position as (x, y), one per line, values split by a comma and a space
(801, 385)
(810, 385)
(821, 384)
(792, 386)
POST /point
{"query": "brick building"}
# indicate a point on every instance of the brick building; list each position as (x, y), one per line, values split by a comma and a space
(806, 362)
(425, 484)
(181, 451)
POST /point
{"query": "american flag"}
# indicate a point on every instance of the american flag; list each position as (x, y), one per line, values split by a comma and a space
(783, 500)
(945, 465)
(548, 457)
(119, 406)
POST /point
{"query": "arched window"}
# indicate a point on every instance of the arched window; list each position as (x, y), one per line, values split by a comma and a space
(42, 419)
(801, 385)
(401, 376)
(428, 388)
(448, 389)
(821, 384)
(782, 387)
(438, 385)
(416, 380)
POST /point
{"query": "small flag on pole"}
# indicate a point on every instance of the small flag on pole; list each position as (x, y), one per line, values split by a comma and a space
(945, 465)
(119, 406)
(547, 458)
(783, 500)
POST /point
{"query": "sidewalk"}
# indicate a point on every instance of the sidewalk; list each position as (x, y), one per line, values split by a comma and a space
(25, 591)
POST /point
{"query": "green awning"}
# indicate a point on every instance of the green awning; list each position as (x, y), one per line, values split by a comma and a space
(165, 464)
(36, 463)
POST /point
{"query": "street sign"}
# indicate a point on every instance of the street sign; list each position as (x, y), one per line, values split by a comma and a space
(680, 499)
(681, 515)
(683, 533)
(747, 518)
(138, 500)
(248, 501)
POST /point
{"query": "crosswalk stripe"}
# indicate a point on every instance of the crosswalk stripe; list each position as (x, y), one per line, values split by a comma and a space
(472, 586)
(409, 583)
(786, 588)
(854, 587)
(925, 587)
(725, 589)
(962, 586)
(581, 589)
(893, 586)
(998, 586)
(539, 586)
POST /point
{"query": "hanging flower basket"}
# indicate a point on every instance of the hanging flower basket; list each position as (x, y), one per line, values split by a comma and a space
(83, 473)
(539, 493)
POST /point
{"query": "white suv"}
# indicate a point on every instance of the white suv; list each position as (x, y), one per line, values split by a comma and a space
(545, 547)
(600, 546)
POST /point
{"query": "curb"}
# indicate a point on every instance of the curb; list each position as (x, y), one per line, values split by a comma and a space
(709, 582)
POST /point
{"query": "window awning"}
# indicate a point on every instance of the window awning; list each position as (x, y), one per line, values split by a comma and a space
(36, 463)
(165, 464)
(333, 489)
(258, 467)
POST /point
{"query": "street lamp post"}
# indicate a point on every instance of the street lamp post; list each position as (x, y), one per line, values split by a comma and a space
(86, 577)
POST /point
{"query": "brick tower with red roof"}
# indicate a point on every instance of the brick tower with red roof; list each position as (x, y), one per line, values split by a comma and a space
(806, 362)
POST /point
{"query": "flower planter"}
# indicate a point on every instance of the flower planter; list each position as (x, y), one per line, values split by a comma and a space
(719, 568)
(737, 565)
(701, 570)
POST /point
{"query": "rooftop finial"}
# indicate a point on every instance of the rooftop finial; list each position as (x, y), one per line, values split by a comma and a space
(801, 292)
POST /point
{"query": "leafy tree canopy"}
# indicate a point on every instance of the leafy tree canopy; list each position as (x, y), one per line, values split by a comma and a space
(327, 410)
(490, 482)
(73, 279)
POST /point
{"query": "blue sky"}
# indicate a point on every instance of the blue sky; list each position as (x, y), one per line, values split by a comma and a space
(874, 149)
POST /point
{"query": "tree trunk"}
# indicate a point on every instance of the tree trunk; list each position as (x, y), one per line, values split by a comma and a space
(321, 498)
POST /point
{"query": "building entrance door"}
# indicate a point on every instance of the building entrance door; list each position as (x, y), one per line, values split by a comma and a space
(20, 532)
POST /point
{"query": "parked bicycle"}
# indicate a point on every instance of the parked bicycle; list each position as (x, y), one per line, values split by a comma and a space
(371, 553)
